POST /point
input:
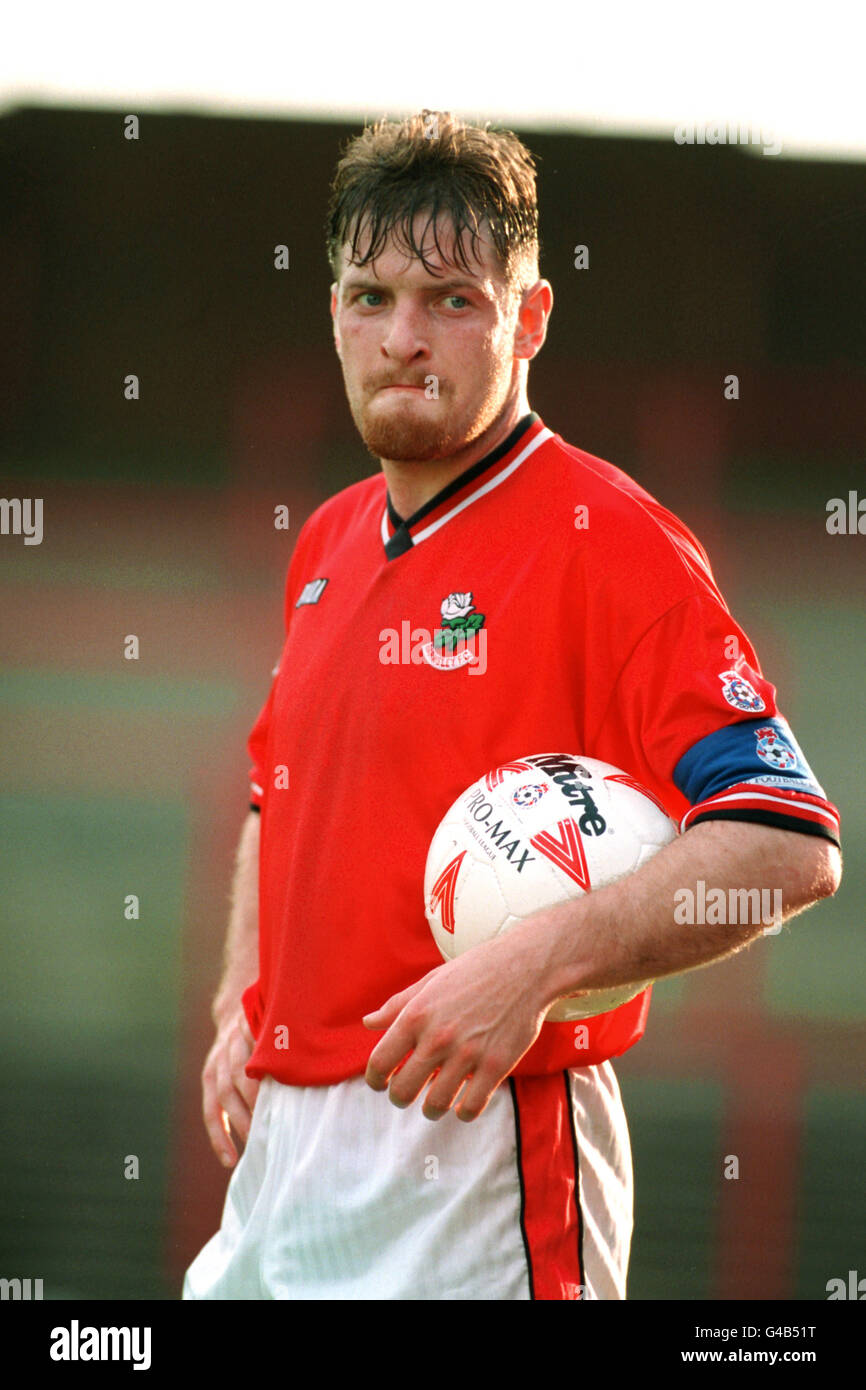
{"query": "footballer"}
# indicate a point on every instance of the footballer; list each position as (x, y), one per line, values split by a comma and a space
(340, 1034)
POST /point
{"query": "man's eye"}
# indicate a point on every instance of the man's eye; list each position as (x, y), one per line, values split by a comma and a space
(363, 297)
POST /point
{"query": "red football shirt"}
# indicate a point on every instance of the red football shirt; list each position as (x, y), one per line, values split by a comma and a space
(598, 630)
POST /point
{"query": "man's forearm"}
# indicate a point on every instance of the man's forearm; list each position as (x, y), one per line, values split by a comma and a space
(634, 930)
(241, 953)
(469, 1021)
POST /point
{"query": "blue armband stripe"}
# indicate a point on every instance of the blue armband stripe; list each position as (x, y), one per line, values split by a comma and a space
(763, 751)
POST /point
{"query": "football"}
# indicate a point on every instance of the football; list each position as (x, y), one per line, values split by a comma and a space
(533, 833)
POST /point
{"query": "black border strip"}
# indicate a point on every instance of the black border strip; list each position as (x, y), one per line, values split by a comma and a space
(569, 1100)
(776, 818)
(473, 472)
(513, 1091)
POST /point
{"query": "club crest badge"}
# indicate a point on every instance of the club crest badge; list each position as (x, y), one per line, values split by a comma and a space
(455, 641)
(740, 693)
(773, 750)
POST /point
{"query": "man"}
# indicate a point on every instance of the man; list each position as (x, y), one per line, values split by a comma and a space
(607, 639)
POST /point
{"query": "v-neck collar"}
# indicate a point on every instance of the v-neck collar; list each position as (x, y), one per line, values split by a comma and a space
(399, 534)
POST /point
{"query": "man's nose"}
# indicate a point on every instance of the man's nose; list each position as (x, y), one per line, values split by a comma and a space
(405, 335)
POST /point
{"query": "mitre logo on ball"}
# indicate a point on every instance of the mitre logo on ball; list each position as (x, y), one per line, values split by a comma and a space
(531, 834)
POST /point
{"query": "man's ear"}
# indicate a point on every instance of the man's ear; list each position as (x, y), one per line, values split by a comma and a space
(535, 308)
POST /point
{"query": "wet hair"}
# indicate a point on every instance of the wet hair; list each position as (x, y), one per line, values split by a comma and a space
(436, 164)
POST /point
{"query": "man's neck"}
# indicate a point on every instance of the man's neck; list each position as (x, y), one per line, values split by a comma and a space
(410, 484)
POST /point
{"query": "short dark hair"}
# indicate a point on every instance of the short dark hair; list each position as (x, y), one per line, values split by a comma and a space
(437, 164)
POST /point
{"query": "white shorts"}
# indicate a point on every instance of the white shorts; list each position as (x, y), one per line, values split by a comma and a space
(341, 1195)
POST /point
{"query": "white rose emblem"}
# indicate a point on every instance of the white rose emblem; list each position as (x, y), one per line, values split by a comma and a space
(456, 606)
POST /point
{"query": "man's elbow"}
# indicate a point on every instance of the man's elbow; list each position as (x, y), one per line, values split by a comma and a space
(819, 869)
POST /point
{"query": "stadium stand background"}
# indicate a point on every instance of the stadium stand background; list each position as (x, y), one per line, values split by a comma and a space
(155, 257)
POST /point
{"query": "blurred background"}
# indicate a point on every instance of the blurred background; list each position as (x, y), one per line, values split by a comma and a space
(154, 256)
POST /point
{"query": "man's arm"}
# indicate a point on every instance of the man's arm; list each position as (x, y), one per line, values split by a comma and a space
(477, 1015)
(228, 1094)
(643, 940)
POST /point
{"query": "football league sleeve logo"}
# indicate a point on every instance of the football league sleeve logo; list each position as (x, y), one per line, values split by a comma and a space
(740, 693)
(774, 751)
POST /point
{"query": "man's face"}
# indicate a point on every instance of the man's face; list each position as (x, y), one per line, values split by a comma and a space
(428, 360)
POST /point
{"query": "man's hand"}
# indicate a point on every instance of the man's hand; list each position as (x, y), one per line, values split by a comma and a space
(228, 1093)
(471, 1020)
(477, 1015)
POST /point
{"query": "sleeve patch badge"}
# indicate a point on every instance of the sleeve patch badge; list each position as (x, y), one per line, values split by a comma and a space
(773, 750)
(740, 693)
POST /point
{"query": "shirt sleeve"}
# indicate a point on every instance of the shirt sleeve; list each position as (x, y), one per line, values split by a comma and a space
(257, 744)
(257, 748)
(693, 703)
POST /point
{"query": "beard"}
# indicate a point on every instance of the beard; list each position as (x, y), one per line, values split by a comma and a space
(405, 432)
